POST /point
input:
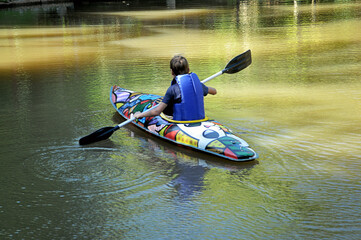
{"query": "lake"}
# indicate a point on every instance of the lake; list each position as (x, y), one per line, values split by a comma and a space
(298, 105)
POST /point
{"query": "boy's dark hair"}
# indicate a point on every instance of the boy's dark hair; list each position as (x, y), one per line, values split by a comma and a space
(179, 65)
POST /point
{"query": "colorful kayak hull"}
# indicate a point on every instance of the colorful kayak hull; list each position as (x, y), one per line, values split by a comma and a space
(207, 136)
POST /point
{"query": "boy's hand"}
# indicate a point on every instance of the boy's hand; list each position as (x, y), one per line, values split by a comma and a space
(137, 114)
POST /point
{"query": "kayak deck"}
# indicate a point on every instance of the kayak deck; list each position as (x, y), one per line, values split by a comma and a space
(208, 136)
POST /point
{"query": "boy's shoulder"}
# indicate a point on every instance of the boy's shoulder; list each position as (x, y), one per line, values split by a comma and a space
(173, 94)
(173, 89)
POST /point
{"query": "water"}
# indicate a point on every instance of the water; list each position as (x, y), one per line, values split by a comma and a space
(297, 105)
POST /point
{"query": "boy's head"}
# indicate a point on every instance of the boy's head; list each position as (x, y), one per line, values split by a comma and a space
(179, 65)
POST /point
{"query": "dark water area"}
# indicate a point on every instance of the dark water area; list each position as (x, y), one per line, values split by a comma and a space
(298, 106)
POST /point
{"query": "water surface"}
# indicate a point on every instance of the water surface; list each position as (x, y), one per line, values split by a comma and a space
(298, 105)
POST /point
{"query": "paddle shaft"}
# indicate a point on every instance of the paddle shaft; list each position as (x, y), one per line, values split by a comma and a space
(131, 119)
(213, 76)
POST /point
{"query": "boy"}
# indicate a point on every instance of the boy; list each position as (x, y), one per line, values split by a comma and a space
(191, 105)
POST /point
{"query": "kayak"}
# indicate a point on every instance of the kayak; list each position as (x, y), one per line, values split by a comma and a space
(204, 135)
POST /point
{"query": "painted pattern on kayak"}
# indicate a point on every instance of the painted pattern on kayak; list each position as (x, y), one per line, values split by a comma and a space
(208, 136)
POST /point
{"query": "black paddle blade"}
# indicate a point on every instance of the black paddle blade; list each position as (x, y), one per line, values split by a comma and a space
(101, 134)
(238, 63)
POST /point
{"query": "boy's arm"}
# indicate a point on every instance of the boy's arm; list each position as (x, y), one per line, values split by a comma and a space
(212, 91)
(154, 112)
(208, 90)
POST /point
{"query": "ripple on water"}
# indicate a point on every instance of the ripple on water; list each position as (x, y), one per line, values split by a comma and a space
(88, 171)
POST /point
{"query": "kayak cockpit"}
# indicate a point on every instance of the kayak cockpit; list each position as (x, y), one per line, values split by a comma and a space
(170, 119)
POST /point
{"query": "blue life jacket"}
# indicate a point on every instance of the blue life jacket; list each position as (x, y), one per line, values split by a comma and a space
(192, 105)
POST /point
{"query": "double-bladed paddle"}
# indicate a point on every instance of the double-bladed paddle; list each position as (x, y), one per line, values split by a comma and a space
(237, 64)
